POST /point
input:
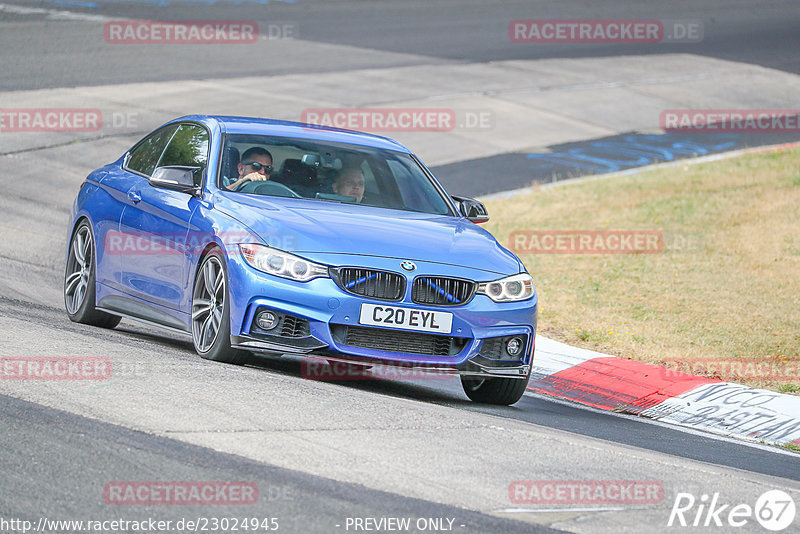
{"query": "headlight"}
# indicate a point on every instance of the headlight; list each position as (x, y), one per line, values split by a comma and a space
(511, 289)
(273, 261)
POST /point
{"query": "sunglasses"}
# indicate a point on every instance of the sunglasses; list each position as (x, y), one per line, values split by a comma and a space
(258, 166)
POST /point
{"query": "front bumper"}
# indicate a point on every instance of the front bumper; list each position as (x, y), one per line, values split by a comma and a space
(329, 314)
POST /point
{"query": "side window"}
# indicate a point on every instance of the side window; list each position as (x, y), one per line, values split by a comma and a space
(189, 147)
(144, 157)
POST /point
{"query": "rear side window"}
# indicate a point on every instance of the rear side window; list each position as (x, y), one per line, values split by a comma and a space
(188, 148)
(145, 156)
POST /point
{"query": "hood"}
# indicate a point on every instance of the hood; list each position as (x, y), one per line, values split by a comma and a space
(315, 227)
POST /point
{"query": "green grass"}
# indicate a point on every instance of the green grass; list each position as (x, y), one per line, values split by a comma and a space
(726, 286)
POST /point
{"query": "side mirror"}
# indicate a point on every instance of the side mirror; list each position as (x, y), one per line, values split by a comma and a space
(177, 178)
(472, 209)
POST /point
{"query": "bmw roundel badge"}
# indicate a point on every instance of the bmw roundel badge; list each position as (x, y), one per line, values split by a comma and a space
(408, 265)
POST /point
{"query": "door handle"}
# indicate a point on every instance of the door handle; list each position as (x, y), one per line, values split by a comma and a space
(135, 196)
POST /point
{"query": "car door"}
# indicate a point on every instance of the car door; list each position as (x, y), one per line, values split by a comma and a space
(112, 247)
(159, 217)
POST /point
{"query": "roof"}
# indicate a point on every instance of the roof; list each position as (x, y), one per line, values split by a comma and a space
(298, 130)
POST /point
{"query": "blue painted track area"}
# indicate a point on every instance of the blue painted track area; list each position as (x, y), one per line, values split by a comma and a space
(593, 156)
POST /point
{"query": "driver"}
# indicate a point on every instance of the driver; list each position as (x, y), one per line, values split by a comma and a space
(255, 165)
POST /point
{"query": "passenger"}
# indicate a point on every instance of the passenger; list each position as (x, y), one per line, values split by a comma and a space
(255, 166)
(350, 183)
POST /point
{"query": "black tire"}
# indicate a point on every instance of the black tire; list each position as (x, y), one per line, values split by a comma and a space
(80, 281)
(502, 391)
(211, 319)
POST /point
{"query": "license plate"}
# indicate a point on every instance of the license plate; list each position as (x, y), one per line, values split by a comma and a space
(406, 318)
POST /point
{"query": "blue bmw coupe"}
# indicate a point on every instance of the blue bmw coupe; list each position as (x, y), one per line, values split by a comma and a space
(255, 235)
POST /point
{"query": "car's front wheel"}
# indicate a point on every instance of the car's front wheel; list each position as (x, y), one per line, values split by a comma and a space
(79, 281)
(503, 391)
(211, 318)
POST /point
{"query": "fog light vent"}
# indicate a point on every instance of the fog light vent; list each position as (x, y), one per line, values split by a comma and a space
(515, 346)
(267, 320)
(505, 348)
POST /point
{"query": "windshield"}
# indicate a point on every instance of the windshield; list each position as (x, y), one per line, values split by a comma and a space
(327, 172)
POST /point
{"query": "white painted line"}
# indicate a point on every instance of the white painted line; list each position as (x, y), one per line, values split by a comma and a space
(551, 510)
(54, 14)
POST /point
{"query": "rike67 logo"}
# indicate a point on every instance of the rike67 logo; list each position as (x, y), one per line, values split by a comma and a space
(774, 510)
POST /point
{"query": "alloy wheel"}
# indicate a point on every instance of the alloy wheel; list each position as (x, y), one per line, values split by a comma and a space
(79, 267)
(208, 304)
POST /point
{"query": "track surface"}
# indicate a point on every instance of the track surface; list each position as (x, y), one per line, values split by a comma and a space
(384, 434)
(299, 502)
(39, 53)
(367, 449)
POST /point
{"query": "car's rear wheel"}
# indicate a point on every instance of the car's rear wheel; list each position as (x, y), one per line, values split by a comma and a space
(503, 391)
(211, 317)
(79, 281)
